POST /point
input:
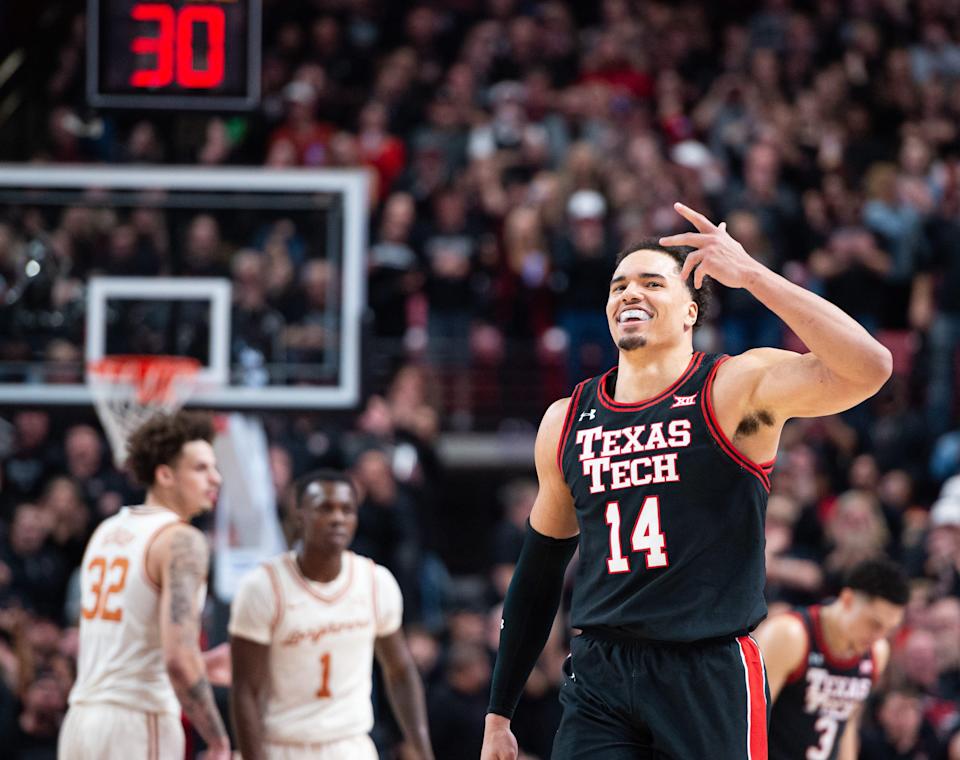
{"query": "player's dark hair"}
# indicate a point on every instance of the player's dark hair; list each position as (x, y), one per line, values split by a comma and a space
(324, 475)
(879, 579)
(702, 297)
(160, 440)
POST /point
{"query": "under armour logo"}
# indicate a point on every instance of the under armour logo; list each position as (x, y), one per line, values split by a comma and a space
(683, 401)
(588, 415)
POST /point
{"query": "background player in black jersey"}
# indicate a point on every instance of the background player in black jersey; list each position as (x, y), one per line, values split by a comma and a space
(659, 472)
(822, 662)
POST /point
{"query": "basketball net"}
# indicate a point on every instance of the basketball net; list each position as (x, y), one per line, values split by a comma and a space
(128, 390)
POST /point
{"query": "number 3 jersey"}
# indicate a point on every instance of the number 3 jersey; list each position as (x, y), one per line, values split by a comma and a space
(818, 698)
(321, 638)
(121, 659)
(671, 514)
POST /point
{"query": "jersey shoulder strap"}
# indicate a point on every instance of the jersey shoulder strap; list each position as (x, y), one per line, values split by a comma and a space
(803, 615)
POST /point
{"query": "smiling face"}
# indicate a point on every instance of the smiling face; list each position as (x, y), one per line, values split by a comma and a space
(328, 513)
(648, 303)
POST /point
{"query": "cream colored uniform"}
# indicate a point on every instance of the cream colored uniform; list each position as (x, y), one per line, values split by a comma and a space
(321, 638)
(122, 704)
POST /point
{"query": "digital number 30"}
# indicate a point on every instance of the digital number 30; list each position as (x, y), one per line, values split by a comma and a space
(172, 48)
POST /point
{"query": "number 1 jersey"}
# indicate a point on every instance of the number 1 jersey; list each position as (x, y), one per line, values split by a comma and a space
(321, 638)
(671, 515)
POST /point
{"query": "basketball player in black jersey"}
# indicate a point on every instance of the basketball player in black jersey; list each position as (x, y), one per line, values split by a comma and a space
(659, 472)
(822, 663)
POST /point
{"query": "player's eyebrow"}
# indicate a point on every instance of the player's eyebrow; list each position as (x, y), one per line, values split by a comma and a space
(639, 276)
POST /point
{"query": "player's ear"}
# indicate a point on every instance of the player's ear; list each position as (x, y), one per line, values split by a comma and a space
(691, 317)
(163, 475)
(846, 598)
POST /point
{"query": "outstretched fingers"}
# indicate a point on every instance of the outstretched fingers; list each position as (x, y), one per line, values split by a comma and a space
(692, 260)
(692, 239)
(695, 218)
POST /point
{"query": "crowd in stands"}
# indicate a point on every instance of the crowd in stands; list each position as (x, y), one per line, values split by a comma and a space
(515, 146)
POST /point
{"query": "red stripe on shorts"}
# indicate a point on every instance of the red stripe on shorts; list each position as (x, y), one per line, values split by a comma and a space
(756, 698)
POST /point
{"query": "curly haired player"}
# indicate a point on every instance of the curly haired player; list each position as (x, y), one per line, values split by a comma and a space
(143, 580)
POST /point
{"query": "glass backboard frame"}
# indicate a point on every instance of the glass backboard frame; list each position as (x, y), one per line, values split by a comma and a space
(352, 184)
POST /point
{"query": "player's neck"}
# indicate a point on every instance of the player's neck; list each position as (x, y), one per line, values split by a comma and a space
(645, 372)
(317, 566)
(157, 498)
(832, 632)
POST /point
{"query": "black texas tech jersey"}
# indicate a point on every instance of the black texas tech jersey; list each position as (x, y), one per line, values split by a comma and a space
(818, 698)
(671, 514)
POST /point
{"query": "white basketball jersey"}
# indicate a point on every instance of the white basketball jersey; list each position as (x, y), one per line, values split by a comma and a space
(121, 659)
(321, 638)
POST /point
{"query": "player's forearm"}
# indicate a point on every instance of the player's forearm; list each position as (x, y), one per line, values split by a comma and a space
(528, 613)
(247, 722)
(190, 684)
(835, 338)
(850, 742)
(405, 691)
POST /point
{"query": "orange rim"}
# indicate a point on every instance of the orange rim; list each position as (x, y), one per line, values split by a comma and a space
(153, 376)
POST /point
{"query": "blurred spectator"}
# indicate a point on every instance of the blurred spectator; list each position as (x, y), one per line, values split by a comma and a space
(394, 275)
(856, 531)
(302, 132)
(44, 705)
(86, 461)
(387, 529)
(27, 466)
(943, 620)
(458, 705)
(34, 572)
(901, 732)
(69, 517)
(585, 256)
(935, 309)
(256, 327)
(518, 497)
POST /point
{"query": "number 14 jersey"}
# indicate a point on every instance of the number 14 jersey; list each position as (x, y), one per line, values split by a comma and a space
(321, 638)
(671, 514)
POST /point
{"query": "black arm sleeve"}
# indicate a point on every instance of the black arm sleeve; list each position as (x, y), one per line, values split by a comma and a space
(528, 613)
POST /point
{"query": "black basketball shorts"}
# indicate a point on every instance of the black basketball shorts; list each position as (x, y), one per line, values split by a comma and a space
(641, 700)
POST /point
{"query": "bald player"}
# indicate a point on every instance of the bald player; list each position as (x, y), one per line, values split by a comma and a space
(304, 629)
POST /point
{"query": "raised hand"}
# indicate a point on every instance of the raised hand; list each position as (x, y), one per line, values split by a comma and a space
(718, 255)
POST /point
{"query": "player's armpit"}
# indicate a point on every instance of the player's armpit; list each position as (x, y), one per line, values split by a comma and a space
(783, 643)
(405, 691)
(553, 513)
(251, 673)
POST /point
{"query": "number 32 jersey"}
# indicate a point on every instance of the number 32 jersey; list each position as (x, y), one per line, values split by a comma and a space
(321, 638)
(671, 515)
(121, 658)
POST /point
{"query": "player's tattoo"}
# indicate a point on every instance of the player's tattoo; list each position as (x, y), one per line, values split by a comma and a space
(199, 705)
(188, 569)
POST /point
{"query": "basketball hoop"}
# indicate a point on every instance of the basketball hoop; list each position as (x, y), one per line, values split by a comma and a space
(127, 390)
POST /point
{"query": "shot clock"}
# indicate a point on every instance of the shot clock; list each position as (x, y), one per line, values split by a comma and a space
(197, 54)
